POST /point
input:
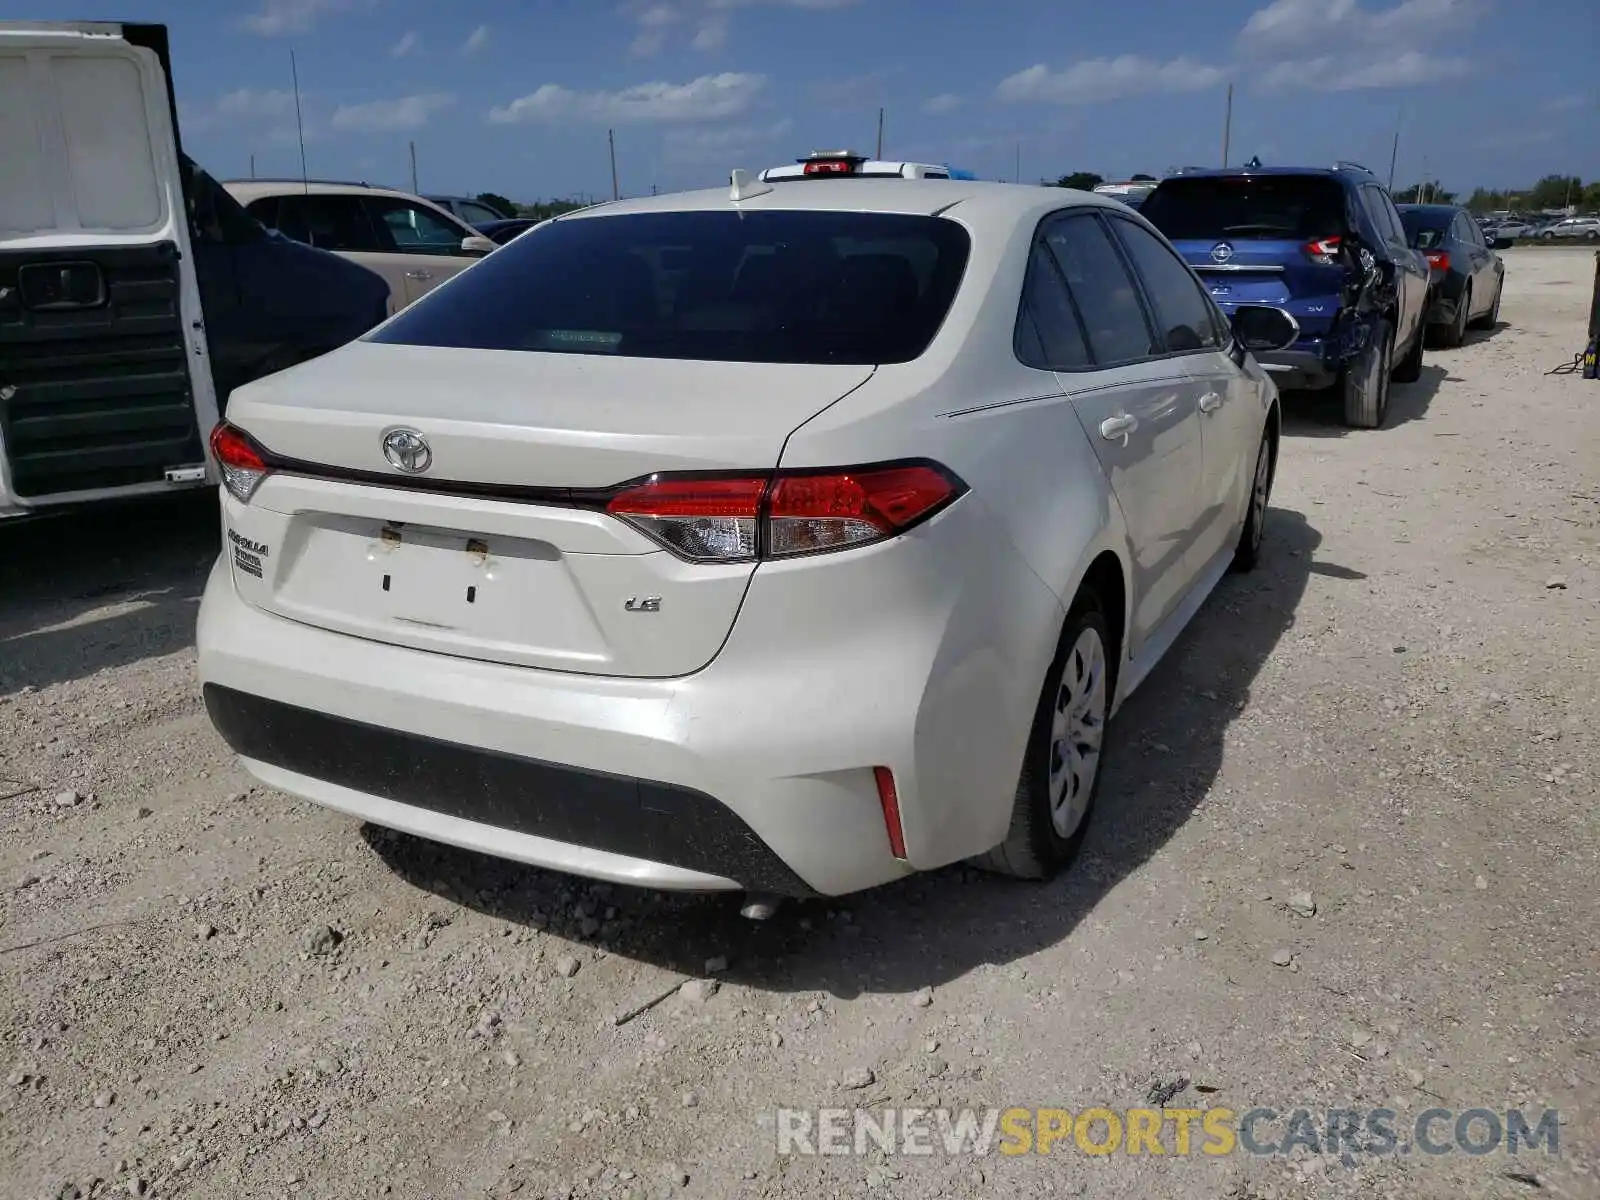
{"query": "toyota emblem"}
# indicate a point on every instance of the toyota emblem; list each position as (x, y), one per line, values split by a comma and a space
(407, 450)
(1221, 252)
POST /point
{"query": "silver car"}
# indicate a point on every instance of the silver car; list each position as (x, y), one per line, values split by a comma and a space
(1587, 228)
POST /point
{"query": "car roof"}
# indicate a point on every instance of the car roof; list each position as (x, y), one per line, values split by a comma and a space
(1237, 172)
(971, 201)
(245, 190)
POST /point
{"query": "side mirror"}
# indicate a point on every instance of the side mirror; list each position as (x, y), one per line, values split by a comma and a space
(1259, 328)
(477, 246)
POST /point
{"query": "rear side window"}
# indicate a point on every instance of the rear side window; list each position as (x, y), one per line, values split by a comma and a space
(477, 214)
(327, 222)
(413, 229)
(1246, 207)
(1049, 333)
(1184, 316)
(776, 286)
(1106, 295)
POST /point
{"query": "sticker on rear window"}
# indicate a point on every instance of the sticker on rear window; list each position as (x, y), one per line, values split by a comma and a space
(579, 341)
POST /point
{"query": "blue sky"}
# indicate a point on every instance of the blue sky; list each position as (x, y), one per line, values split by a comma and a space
(517, 97)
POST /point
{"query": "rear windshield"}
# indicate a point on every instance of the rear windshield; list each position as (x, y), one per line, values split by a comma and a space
(1262, 207)
(1425, 230)
(781, 287)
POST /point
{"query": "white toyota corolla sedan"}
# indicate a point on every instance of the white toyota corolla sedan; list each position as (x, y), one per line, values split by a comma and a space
(789, 537)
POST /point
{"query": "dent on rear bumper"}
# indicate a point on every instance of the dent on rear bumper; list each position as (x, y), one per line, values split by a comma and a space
(915, 655)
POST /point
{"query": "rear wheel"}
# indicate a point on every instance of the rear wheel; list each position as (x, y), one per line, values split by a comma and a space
(1491, 318)
(1061, 767)
(1365, 382)
(1248, 552)
(1453, 334)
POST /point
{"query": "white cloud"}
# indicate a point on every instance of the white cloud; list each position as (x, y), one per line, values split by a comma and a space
(1571, 103)
(712, 34)
(1333, 73)
(476, 40)
(1294, 25)
(408, 44)
(945, 102)
(722, 145)
(708, 98)
(1097, 79)
(815, 5)
(400, 115)
(243, 106)
(276, 18)
(653, 23)
(867, 90)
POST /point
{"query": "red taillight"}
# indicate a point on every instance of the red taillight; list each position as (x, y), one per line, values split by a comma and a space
(242, 462)
(1439, 260)
(706, 520)
(830, 166)
(1324, 250)
(889, 800)
(743, 517)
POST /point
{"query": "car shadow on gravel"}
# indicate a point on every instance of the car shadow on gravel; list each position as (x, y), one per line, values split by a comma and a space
(1321, 415)
(935, 927)
(145, 563)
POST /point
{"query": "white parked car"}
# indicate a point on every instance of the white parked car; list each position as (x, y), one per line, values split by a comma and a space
(412, 243)
(789, 538)
(1587, 228)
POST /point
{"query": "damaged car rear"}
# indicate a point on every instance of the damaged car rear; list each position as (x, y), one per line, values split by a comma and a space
(1327, 246)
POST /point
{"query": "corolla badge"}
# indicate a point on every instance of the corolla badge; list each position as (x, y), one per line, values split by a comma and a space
(1221, 252)
(407, 450)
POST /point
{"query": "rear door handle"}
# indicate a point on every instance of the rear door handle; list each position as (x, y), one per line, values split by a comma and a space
(1210, 402)
(1118, 428)
(419, 274)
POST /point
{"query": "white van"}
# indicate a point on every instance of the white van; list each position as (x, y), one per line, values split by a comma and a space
(135, 293)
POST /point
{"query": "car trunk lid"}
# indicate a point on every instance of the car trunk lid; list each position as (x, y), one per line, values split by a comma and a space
(498, 547)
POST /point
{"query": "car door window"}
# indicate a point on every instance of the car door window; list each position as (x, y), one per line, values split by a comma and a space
(327, 222)
(414, 229)
(1105, 294)
(1185, 318)
(477, 214)
(1049, 331)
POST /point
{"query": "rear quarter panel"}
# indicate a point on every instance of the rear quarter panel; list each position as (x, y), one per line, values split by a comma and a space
(1010, 433)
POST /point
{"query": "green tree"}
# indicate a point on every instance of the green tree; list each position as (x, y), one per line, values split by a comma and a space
(543, 210)
(1084, 181)
(1141, 178)
(497, 202)
(1591, 197)
(1553, 191)
(1425, 192)
(1485, 200)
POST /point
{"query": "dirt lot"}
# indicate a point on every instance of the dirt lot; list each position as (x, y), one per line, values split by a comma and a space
(211, 990)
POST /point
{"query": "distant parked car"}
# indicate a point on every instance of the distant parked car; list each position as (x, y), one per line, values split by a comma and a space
(413, 244)
(501, 232)
(1587, 228)
(465, 208)
(1467, 276)
(1511, 228)
(1326, 245)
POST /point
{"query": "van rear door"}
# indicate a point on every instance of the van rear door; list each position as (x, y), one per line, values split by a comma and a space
(105, 385)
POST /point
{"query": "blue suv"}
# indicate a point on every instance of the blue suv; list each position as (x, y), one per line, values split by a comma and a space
(1327, 246)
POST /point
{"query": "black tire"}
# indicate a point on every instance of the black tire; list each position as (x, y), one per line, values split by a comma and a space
(1364, 384)
(1592, 236)
(1491, 319)
(1452, 335)
(1409, 368)
(1547, 236)
(1248, 552)
(1034, 848)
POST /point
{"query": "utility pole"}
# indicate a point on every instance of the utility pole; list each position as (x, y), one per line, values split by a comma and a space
(1394, 150)
(1227, 126)
(1017, 178)
(415, 190)
(299, 124)
(611, 141)
(252, 166)
(880, 135)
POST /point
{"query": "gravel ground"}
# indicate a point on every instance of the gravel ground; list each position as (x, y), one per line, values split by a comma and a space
(210, 989)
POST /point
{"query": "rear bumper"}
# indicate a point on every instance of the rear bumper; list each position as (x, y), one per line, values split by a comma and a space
(755, 772)
(1298, 369)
